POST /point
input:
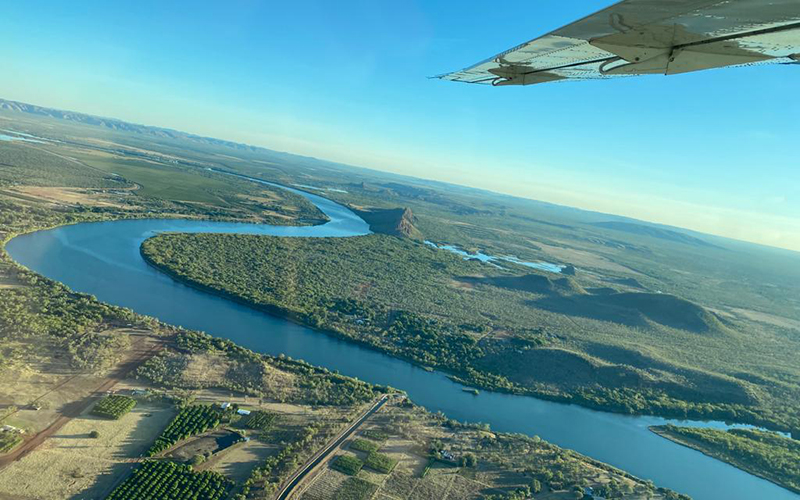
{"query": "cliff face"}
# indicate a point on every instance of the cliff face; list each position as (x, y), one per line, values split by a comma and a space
(392, 221)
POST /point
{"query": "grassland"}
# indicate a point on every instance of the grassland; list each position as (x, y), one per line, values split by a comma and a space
(71, 462)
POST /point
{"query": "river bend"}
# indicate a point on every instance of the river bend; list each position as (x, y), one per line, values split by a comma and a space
(102, 259)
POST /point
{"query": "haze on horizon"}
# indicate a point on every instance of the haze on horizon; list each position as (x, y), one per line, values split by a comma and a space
(712, 151)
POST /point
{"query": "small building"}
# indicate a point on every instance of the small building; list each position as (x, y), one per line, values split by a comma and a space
(243, 412)
(225, 405)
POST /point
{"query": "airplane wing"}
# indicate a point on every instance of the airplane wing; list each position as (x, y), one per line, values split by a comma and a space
(641, 37)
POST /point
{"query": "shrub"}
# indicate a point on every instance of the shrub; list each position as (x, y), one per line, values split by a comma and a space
(190, 420)
(113, 406)
(380, 462)
(364, 445)
(260, 420)
(347, 464)
(375, 435)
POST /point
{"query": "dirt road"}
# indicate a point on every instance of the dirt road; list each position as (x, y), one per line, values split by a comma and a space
(76, 408)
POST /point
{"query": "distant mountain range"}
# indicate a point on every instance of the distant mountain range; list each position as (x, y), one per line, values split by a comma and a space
(114, 124)
(641, 227)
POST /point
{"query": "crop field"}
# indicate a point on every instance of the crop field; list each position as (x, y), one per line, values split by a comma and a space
(160, 181)
(364, 445)
(260, 420)
(190, 421)
(159, 479)
(113, 406)
(380, 462)
(375, 435)
(354, 488)
(347, 464)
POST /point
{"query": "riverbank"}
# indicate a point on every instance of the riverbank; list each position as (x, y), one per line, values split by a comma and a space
(577, 469)
(739, 451)
(426, 324)
(111, 251)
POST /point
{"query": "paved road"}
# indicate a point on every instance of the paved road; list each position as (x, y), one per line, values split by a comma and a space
(298, 477)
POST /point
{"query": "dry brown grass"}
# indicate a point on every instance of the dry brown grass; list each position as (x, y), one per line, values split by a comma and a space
(67, 196)
(238, 461)
(71, 464)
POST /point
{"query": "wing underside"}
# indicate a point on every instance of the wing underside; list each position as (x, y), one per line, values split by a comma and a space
(639, 37)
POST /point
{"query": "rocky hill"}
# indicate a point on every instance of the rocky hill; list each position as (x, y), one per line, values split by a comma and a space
(392, 221)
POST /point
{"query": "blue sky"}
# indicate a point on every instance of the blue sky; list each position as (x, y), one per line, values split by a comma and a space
(714, 151)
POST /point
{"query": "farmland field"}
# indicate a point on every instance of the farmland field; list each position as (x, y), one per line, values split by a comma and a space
(189, 421)
(155, 480)
(113, 406)
(347, 464)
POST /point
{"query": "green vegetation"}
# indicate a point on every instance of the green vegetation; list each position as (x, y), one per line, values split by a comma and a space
(36, 312)
(9, 440)
(363, 445)
(20, 163)
(113, 406)
(347, 464)
(281, 378)
(260, 420)
(490, 327)
(155, 480)
(355, 489)
(765, 454)
(380, 462)
(191, 420)
(375, 435)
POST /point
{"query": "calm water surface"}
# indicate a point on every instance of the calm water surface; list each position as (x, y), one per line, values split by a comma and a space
(103, 259)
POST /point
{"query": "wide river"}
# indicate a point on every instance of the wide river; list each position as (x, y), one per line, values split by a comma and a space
(103, 259)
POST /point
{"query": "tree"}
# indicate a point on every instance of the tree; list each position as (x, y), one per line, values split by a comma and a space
(468, 460)
(94, 434)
